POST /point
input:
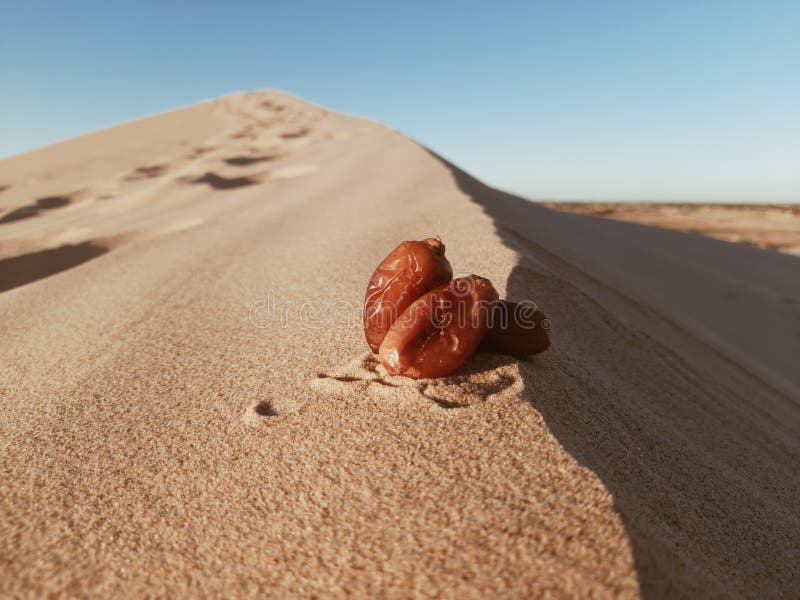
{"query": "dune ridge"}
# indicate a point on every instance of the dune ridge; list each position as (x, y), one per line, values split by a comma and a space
(164, 432)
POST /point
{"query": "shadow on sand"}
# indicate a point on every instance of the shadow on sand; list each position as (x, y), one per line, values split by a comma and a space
(218, 182)
(25, 212)
(19, 270)
(244, 161)
(290, 135)
(147, 172)
(704, 493)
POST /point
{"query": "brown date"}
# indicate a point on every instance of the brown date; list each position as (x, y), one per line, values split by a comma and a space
(520, 330)
(411, 270)
(440, 330)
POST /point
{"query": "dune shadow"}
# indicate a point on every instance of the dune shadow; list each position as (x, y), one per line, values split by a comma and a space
(26, 268)
(224, 183)
(3, 188)
(243, 161)
(31, 210)
(705, 496)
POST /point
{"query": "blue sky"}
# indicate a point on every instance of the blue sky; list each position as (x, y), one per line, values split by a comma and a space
(597, 100)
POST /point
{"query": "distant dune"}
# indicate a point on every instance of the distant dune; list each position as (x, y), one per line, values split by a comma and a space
(188, 406)
(770, 226)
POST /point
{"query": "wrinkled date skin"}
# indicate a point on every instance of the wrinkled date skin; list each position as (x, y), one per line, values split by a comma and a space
(411, 270)
(440, 330)
(519, 330)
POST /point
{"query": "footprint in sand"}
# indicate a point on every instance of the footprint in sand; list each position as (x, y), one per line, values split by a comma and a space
(289, 135)
(218, 182)
(147, 172)
(31, 210)
(248, 133)
(221, 182)
(260, 413)
(482, 378)
(26, 268)
(271, 105)
(244, 161)
(198, 152)
(265, 412)
(71, 252)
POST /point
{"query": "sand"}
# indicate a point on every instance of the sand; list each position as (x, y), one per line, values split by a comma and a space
(770, 226)
(165, 432)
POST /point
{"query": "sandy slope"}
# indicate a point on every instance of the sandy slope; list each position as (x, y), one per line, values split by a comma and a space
(161, 433)
(773, 226)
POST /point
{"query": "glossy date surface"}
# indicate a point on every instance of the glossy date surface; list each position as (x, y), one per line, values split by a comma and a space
(438, 332)
(409, 271)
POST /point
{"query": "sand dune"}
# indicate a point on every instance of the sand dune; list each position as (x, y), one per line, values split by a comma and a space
(772, 226)
(192, 407)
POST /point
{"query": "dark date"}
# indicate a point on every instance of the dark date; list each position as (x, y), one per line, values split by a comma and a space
(520, 330)
(409, 271)
(438, 332)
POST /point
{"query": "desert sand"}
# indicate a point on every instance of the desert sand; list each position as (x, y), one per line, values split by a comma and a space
(772, 226)
(188, 405)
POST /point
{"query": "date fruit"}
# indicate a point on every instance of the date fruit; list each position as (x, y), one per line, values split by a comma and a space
(520, 330)
(440, 330)
(411, 270)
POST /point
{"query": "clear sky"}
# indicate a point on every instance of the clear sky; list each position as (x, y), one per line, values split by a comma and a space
(558, 99)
